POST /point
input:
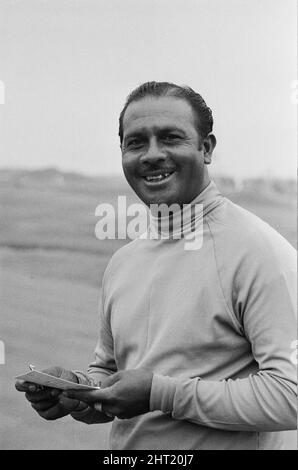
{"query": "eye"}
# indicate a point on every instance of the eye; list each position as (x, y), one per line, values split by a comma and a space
(171, 137)
(136, 142)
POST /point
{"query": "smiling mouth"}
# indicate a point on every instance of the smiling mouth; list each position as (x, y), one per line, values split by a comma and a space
(153, 179)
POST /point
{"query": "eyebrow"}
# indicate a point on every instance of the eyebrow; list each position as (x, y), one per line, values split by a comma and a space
(137, 133)
(160, 131)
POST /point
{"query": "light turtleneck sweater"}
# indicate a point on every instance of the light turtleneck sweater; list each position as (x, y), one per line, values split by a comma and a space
(180, 222)
(177, 222)
(216, 326)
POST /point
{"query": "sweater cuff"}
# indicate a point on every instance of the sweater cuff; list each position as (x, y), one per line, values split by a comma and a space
(162, 393)
(82, 379)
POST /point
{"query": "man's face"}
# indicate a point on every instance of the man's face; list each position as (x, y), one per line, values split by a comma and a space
(161, 155)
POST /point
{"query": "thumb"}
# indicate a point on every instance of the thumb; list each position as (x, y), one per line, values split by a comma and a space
(65, 374)
(56, 371)
(110, 380)
(88, 396)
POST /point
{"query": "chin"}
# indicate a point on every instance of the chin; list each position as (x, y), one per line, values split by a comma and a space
(161, 199)
(167, 196)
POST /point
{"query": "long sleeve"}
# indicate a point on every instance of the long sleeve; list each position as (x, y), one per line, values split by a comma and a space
(265, 401)
(103, 366)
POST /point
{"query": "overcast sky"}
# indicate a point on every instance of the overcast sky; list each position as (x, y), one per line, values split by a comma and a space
(68, 65)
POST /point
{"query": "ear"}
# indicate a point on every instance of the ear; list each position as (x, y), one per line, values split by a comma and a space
(209, 144)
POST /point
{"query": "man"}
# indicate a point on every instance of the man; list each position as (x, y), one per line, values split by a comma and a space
(194, 345)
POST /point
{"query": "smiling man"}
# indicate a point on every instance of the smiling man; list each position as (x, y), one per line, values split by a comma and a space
(164, 152)
(194, 348)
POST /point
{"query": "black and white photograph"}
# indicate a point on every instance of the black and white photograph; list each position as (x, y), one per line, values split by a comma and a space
(148, 207)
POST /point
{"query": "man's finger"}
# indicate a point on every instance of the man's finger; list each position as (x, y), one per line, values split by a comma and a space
(54, 412)
(43, 405)
(23, 386)
(68, 403)
(35, 397)
(90, 396)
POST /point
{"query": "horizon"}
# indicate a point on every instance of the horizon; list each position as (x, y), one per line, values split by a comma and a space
(55, 168)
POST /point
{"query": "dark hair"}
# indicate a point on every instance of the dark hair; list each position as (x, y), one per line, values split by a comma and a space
(201, 111)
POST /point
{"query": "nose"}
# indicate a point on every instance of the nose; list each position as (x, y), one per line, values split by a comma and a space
(153, 152)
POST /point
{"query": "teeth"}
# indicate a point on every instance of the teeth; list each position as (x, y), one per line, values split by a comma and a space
(157, 177)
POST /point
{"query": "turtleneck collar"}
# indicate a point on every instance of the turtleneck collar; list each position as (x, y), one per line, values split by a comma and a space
(185, 220)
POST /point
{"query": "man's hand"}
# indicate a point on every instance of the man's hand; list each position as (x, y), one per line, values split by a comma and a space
(49, 402)
(123, 394)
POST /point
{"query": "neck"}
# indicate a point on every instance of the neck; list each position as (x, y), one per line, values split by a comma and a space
(175, 219)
